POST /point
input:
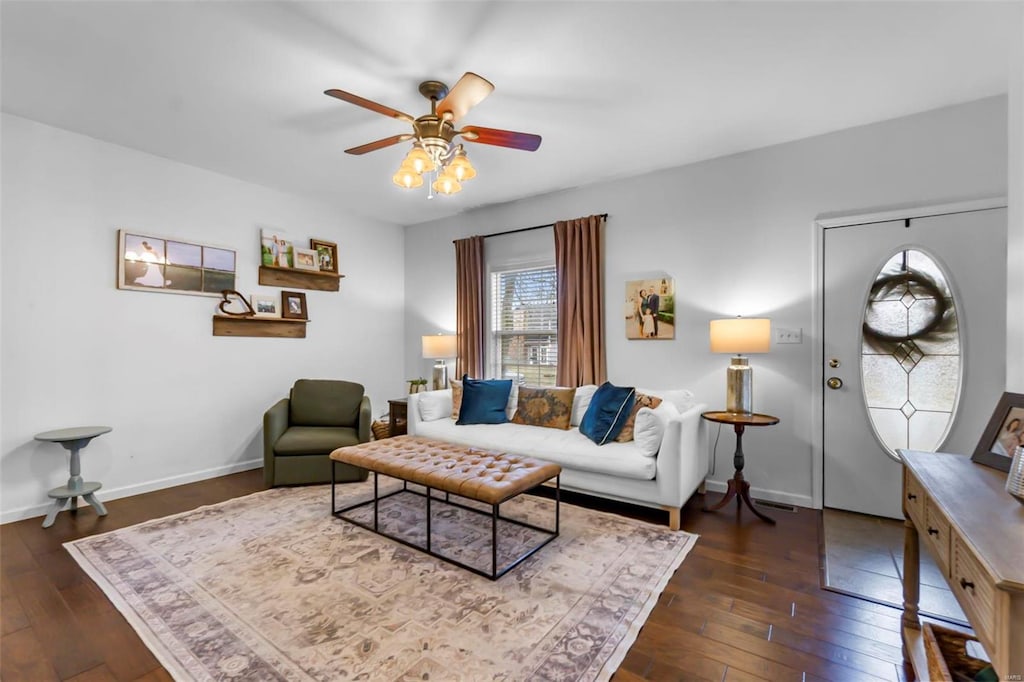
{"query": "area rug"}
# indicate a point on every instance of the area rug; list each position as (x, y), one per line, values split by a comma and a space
(272, 587)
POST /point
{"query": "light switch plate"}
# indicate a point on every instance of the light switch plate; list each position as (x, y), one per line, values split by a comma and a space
(783, 335)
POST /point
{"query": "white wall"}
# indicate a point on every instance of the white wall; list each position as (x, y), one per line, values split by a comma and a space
(1015, 245)
(184, 404)
(736, 234)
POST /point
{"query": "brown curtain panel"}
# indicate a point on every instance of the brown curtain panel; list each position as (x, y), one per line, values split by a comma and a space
(470, 310)
(579, 262)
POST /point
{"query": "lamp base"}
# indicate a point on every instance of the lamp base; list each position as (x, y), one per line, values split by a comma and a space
(739, 391)
(440, 375)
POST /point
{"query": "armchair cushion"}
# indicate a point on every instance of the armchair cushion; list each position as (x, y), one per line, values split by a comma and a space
(319, 402)
(315, 440)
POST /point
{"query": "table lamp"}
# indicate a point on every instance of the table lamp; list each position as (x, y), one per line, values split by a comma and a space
(440, 347)
(740, 335)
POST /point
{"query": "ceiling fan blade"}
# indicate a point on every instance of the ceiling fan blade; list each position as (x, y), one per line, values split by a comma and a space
(501, 138)
(368, 104)
(379, 144)
(467, 93)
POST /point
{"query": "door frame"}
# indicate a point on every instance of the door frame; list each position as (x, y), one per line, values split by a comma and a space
(820, 224)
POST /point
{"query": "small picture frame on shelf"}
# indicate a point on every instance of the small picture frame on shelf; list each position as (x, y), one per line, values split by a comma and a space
(265, 306)
(326, 255)
(293, 305)
(1004, 433)
(306, 259)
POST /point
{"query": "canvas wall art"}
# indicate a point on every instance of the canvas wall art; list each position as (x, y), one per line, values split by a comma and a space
(650, 309)
(150, 263)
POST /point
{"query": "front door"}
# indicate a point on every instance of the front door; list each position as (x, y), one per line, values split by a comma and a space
(914, 341)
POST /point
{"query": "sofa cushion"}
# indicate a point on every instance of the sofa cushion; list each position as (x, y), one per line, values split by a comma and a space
(650, 427)
(581, 401)
(434, 404)
(324, 402)
(510, 409)
(547, 407)
(314, 440)
(608, 411)
(569, 448)
(642, 400)
(484, 401)
(456, 397)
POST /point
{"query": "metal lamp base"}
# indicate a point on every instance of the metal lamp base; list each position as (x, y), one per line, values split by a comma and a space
(440, 375)
(739, 392)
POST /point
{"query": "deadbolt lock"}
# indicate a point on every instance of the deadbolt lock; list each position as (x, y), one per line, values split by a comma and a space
(833, 363)
(834, 383)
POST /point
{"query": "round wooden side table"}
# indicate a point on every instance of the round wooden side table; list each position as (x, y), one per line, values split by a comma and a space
(74, 439)
(739, 487)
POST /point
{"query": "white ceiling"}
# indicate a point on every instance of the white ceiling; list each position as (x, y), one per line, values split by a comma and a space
(614, 88)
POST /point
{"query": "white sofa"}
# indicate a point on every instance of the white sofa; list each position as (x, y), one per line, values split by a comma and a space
(617, 471)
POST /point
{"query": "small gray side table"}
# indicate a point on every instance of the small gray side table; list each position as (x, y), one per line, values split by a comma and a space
(74, 439)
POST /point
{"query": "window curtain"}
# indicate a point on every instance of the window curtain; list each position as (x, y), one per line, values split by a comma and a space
(470, 311)
(579, 262)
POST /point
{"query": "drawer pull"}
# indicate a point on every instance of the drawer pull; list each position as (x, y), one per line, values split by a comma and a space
(966, 584)
(911, 496)
(933, 531)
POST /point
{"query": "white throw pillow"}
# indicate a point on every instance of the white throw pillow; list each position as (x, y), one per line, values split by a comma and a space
(580, 403)
(435, 405)
(681, 398)
(513, 401)
(649, 427)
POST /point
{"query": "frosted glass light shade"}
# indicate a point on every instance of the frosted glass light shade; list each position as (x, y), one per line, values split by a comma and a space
(407, 178)
(439, 346)
(741, 335)
(419, 160)
(447, 184)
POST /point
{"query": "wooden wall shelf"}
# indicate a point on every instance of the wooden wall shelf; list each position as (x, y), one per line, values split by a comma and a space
(267, 327)
(274, 276)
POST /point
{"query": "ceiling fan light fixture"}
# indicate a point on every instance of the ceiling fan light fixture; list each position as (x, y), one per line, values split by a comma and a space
(407, 177)
(447, 184)
(419, 160)
(461, 167)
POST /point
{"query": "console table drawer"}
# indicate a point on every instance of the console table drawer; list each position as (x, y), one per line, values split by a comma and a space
(936, 530)
(913, 497)
(973, 589)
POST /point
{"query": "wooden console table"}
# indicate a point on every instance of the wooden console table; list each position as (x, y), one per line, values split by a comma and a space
(975, 532)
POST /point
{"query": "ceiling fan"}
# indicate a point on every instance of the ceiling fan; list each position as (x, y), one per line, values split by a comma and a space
(433, 134)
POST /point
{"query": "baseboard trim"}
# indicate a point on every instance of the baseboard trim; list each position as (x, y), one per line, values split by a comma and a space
(108, 494)
(779, 496)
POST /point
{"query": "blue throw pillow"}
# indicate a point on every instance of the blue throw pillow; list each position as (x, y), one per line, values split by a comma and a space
(484, 401)
(609, 409)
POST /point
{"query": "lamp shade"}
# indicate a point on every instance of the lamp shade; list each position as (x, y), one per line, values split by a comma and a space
(439, 346)
(741, 335)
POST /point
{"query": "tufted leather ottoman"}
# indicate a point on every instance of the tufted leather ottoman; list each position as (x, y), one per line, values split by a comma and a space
(488, 477)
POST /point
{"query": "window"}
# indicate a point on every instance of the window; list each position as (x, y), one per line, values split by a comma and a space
(524, 325)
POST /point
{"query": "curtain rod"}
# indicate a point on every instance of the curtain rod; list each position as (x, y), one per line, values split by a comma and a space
(525, 229)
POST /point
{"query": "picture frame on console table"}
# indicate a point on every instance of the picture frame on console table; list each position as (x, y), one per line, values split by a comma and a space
(1004, 433)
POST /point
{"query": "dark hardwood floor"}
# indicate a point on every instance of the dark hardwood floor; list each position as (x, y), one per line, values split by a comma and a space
(745, 605)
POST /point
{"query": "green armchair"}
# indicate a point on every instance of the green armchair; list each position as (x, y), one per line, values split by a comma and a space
(300, 431)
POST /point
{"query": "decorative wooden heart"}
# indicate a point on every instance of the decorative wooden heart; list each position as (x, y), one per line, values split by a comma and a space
(227, 294)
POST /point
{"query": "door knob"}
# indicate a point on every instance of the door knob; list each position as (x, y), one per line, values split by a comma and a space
(834, 383)
(833, 363)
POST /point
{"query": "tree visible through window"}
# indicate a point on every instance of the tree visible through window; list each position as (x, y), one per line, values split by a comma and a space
(524, 325)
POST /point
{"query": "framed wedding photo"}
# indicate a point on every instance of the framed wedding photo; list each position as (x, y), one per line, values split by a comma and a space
(1004, 433)
(305, 259)
(293, 305)
(326, 255)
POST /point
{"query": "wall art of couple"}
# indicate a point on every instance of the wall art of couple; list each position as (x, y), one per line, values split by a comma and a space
(650, 309)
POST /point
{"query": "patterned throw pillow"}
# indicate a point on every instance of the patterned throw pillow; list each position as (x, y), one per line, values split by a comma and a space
(548, 407)
(642, 400)
(456, 397)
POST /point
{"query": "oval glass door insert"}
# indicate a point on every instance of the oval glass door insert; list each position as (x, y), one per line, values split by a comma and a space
(910, 354)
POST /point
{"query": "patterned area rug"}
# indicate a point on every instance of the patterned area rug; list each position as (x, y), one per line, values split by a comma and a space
(272, 587)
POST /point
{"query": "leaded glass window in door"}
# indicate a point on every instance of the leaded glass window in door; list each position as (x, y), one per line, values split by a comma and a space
(910, 353)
